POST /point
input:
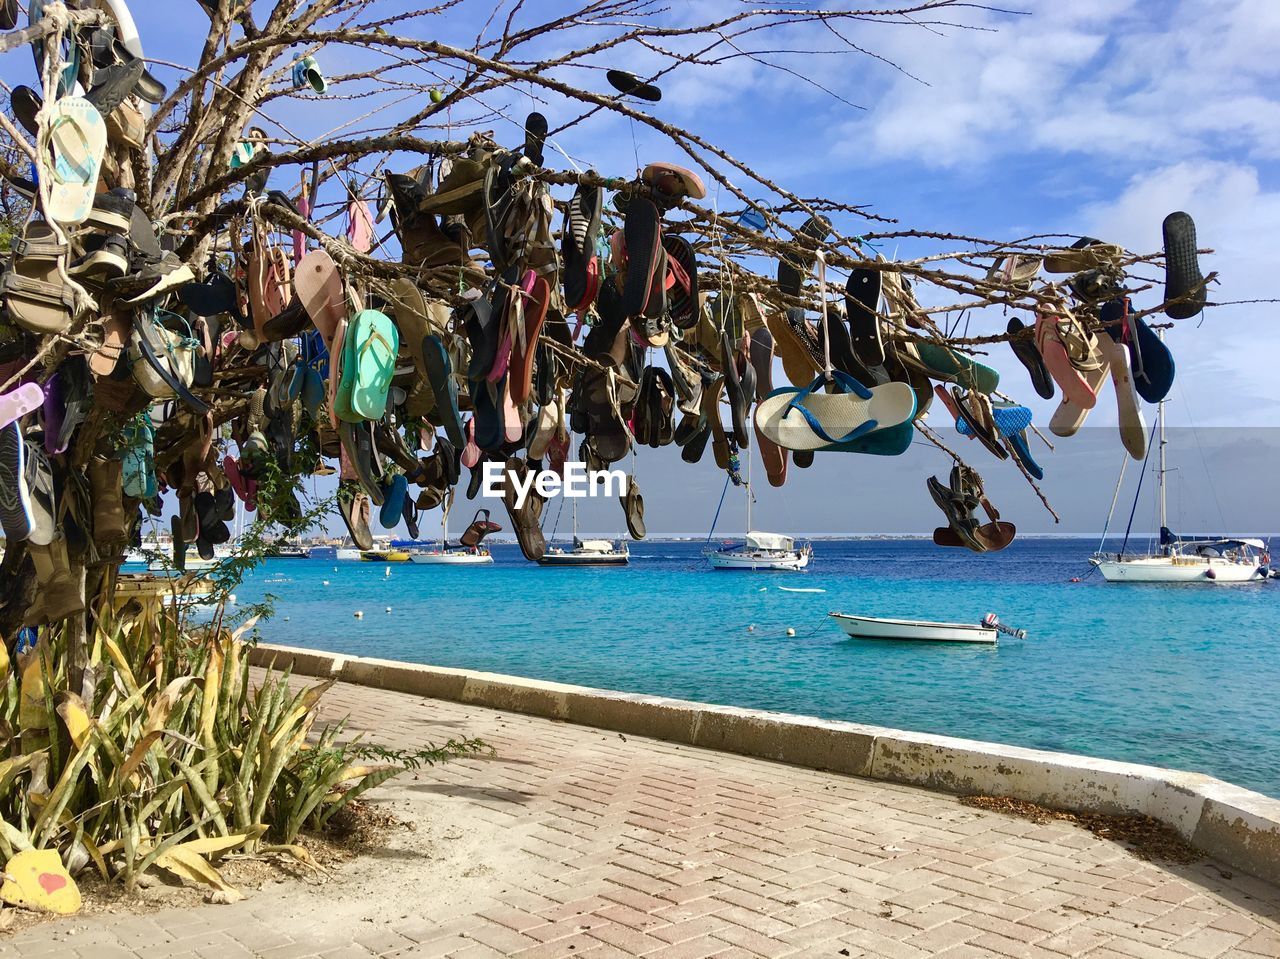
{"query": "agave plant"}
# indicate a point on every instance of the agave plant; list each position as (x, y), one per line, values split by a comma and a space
(173, 757)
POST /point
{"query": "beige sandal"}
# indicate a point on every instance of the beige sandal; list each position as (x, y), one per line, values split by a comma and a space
(34, 292)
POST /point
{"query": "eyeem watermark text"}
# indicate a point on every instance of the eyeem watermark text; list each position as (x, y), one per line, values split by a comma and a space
(578, 482)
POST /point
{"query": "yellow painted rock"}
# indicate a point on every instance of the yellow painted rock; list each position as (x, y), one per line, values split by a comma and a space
(37, 880)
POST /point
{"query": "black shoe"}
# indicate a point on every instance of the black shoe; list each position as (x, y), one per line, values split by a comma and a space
(112, 211)
(107, 51)
(106, 257)
(113, 84)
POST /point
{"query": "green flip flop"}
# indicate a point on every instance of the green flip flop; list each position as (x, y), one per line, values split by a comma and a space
(947, 364)
(368, 364)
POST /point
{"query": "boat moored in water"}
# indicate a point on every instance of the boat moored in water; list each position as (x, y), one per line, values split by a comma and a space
(452, 556)
(1181, 560)
(871, 627)
(384, 556)
(587, 552)
(1189, 560)
(762, 551)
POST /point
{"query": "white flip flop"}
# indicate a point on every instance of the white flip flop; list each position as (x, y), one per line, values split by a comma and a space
(78, 136)
(1133, 429)
(810, 420)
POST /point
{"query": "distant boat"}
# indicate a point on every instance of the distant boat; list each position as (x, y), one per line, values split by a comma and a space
(761, 551)
(469, 552)
(293, 551)
(587, 552)
(869, 627)
(1189, 560)
(452, 556)
(384, 556)
(1183, 559)
(192, 562)
(347, 553)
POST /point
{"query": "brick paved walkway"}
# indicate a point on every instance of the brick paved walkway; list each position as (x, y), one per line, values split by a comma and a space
(578, 843)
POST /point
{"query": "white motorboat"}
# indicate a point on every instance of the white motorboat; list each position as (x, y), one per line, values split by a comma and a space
(870, 627)
(587, 552)
(347, 554)
(1182, 559)
(762, 551)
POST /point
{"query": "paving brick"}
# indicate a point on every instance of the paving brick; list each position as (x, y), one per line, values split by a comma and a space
(1207, 943)
(634, 847)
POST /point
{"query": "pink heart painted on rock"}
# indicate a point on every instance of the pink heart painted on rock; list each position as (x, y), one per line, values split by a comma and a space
(50, 883)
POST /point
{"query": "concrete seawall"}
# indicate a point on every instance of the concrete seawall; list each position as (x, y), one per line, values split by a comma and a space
(1235, 825)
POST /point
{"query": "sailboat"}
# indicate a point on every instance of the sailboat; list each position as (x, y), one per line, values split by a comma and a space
(469, 552)
(761, 551)
(1184, 559)
(587, 552)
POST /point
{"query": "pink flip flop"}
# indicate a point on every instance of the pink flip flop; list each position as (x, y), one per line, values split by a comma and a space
(246, 489)
(346, 469)
(300, 238)
(514, 317)
(1051, 341)
(558, 453)
(1070, 416)
(512, 425)
(471, 452)
(27, 398)
(359, 226)
(335, 370)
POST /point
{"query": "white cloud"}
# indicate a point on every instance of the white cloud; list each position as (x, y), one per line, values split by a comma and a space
(1102, 78)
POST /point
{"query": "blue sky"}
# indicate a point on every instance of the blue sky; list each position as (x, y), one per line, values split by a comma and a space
(1094, 116)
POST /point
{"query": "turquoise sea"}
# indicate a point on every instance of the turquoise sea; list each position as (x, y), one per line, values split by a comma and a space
(1176, 676)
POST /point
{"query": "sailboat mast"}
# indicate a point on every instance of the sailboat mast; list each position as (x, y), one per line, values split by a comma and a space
(1162, 468)
(575, 520)
(749, 496)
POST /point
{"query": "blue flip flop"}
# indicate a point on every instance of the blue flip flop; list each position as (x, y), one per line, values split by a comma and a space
(394, 493)
(1022, 453)
(440, 376)
(1010, 419)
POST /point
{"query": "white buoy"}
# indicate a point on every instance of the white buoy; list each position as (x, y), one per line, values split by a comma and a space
(751, 628)
(286, 619)
(388, 609)
(387, 571)
(335, 569)
(790, 631)
(359, 614)
(326, 582)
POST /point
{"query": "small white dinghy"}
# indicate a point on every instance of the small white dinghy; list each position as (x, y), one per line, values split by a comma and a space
(870, 627)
